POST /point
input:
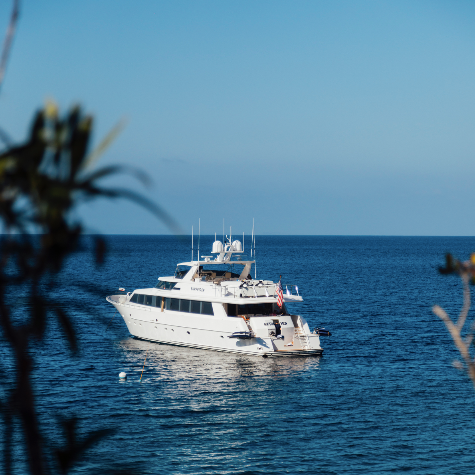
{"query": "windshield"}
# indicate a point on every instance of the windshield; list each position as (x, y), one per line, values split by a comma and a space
(181, 271)
(165, 285)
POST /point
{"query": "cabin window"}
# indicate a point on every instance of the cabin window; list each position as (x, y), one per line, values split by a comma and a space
(207, 308)
(256, 309)
(188, 306)
(195, 306)
(174, 305)
(184, 305)
(150, 300)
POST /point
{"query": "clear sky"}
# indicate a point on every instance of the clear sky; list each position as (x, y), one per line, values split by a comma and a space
(313, 117)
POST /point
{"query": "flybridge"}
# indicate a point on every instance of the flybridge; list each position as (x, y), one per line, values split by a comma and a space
(219, 270)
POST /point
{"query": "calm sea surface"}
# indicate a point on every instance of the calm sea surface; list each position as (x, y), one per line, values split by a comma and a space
(383, 398)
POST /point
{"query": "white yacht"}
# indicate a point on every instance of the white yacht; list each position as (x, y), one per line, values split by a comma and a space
(215, 304)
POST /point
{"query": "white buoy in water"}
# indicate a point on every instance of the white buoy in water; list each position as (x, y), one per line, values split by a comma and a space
(122, 375)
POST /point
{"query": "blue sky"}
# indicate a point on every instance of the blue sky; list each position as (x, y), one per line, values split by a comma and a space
(312, 117)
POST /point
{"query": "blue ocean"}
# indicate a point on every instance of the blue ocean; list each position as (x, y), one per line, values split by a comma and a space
(384, 397)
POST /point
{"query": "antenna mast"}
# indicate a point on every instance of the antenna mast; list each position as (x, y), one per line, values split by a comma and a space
(252, 235)
(199, 237)
(255, 263)
(191, 243)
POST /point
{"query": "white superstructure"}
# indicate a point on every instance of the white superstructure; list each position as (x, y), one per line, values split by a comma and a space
(215, 304)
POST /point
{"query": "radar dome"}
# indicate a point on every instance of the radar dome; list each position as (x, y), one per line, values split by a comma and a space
(217, 247)
(237, 245)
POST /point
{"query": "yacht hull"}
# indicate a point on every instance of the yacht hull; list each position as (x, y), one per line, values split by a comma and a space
(208, 333)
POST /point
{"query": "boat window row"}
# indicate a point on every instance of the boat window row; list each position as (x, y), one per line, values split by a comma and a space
(150, 300)
(270, 308)
(165, 285)
(189, 306)
(177, 305)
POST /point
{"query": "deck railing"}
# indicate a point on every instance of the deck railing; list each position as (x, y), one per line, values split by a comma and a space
(258, 290)
(246, 290)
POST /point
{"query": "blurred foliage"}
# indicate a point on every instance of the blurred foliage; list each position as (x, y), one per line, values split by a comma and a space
(461, 330)
(460, 268)
(42, 181)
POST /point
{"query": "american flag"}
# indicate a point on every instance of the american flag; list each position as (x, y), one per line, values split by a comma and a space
(280, 294)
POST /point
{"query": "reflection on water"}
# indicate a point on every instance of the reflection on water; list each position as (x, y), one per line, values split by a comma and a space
(207, 408)
(204, 367)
